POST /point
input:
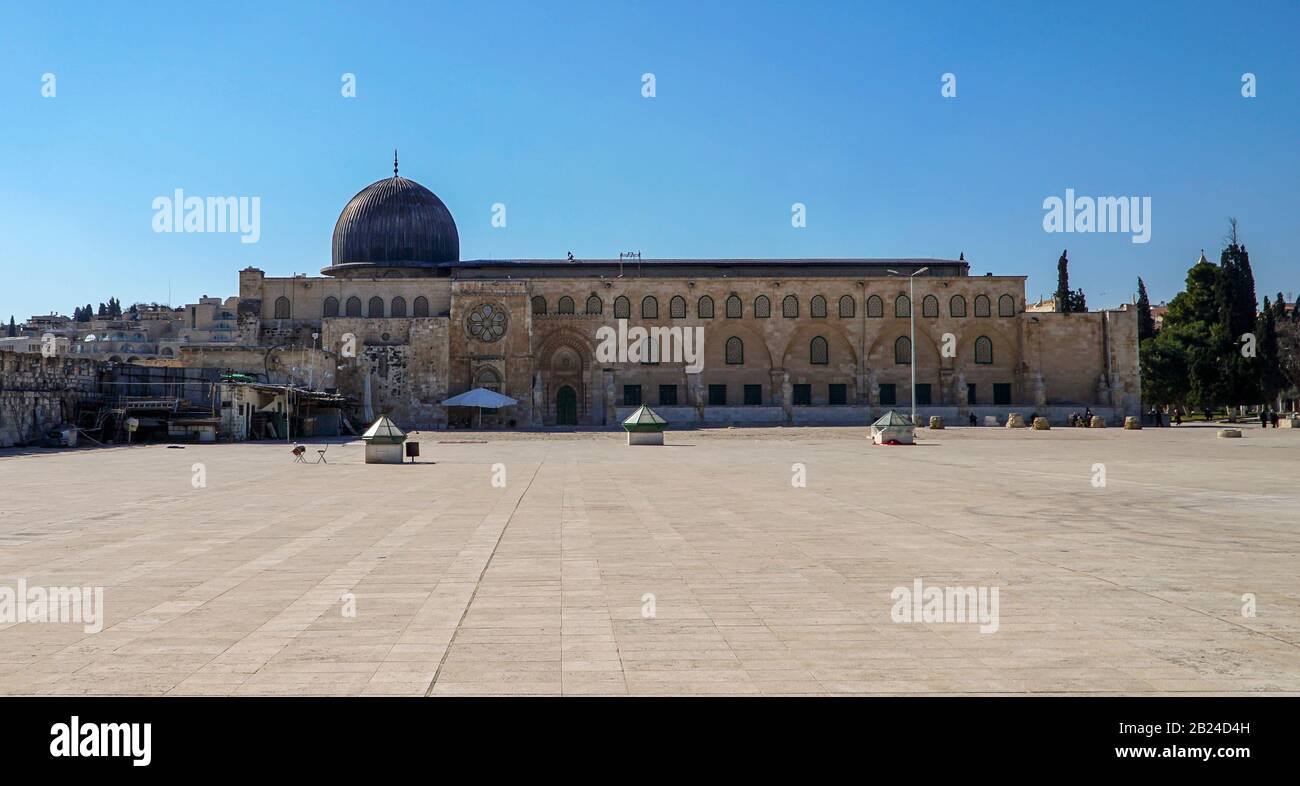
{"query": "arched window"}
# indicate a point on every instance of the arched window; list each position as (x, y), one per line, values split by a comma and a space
(735, 352)
(817, 307)
(677, 307)
(282, 308)
(903, 351)
(819, 351)
(848, 307)
(790, 307)
(622, 308)
(902, 306)
(875, 307)
(649, 307)
(762, 307)
(565, 306)
(929, 306)
(704, 308)
(331, 307)
(539, 304)
(734, 308)
(1006, 306)
(376, 307)
(421, 307)
(957, 306)
(984, 350)
(354, 307)
(488, 378)
(398, 307)
(981, 306)
(595, 305)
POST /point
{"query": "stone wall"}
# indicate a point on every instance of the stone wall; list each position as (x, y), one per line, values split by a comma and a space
(39, 393)
(300, 366)
(1086, 359)
(397, 367)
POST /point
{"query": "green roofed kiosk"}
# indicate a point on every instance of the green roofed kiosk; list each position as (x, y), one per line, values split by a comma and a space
(645, 427)
(893, 429)
(383, 442)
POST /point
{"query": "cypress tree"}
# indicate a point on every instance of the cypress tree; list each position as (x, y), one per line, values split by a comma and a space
(1063, 295)
(1268, 360)
(1146, 323)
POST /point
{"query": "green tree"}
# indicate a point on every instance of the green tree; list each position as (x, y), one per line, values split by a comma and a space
(1063, 295)
(1180, 363)
(12, 330)
(1268, 360)
(1067, 300)
(1146, 323)
(1241, 373)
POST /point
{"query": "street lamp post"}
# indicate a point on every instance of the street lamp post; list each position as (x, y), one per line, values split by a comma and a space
(911, 313)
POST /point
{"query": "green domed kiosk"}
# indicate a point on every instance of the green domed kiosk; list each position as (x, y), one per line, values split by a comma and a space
(645, 427)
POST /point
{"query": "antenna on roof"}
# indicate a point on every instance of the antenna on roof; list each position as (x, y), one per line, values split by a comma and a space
(394, 162)
(629, 255)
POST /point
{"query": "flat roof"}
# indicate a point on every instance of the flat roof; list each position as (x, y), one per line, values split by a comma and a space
(662, 268)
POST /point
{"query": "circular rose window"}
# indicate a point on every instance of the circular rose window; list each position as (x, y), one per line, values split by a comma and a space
(487, 322)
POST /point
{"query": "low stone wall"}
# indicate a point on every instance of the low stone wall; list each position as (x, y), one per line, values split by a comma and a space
(39, 393)
(858, 415)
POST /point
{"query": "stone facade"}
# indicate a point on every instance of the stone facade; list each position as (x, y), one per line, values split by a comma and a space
(785, 348)
(40, 393)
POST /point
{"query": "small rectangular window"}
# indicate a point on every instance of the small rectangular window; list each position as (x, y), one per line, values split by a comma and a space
(887, 395)
(717, 395)
(753, 395)
(970, 392)
(838, 395)
(668, 395)
(631, 395)
(803, 395)
(923, 395)
(1001, 393)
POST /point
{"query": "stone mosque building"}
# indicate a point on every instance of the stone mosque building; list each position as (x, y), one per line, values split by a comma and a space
(400, 322)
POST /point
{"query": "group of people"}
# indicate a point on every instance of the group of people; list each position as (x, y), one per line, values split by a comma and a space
(1157, 416)
(1267, 417)
(1083, 420)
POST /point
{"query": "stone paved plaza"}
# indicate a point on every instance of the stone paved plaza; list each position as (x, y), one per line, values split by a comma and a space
(541, 586)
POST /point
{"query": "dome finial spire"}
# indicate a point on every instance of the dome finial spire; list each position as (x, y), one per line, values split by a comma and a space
(394, 162)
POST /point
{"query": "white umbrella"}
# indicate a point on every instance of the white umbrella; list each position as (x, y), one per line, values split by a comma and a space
(480, 398)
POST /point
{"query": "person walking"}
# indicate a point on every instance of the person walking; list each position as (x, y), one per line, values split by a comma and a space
(1178, 416)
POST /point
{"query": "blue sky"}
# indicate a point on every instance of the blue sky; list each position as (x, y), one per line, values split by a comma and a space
(539, 106)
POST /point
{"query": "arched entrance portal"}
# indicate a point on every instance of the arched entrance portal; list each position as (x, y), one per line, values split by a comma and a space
(566, 407)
